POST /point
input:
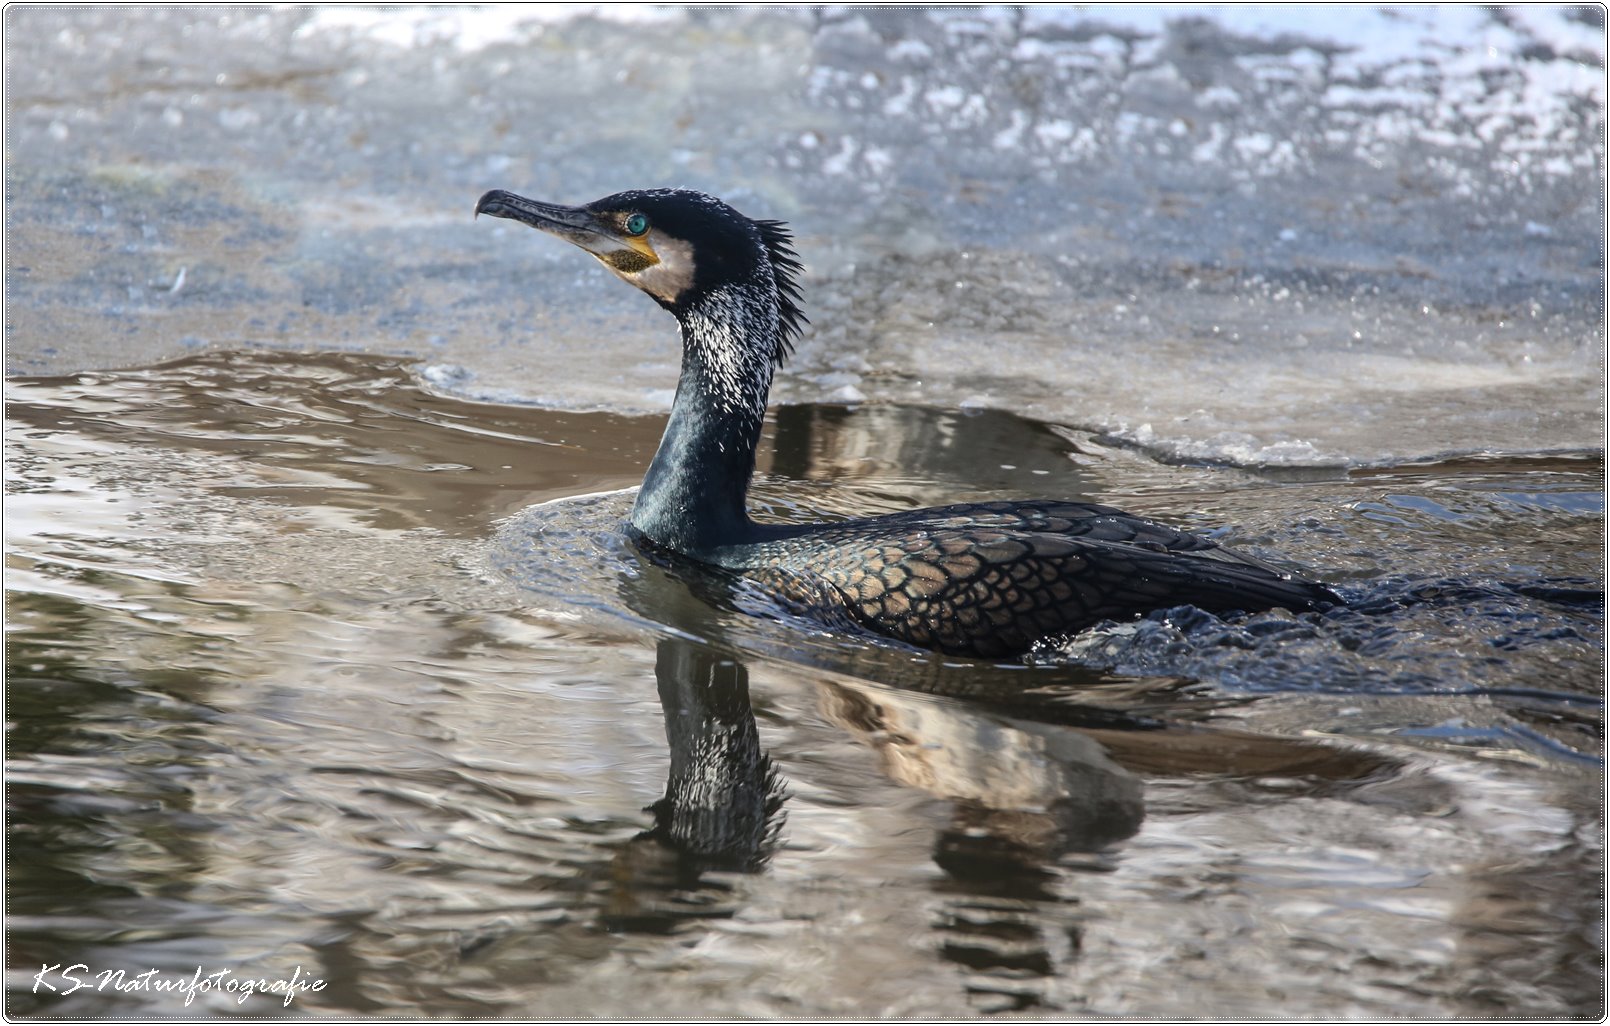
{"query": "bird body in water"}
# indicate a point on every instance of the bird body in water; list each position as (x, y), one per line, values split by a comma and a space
(979, 579)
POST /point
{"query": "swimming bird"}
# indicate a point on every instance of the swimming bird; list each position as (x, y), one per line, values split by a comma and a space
(985, 579)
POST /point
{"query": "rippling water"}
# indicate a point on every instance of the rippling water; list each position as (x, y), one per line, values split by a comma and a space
(310, 666)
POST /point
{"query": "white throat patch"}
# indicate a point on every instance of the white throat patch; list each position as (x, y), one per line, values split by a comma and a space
(672, 275)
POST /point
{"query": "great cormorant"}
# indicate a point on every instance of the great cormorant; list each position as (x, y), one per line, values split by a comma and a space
(978, 579)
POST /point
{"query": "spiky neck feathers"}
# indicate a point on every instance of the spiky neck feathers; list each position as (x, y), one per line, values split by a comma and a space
(740, 269)
(694, 245)
(730, 282)
(738, 317)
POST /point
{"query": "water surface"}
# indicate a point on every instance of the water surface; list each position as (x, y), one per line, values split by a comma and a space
(310, 665)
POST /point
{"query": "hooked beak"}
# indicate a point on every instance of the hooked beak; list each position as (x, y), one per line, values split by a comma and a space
(573, 224)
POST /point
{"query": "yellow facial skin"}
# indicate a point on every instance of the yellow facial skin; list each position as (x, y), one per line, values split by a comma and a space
(655, 262)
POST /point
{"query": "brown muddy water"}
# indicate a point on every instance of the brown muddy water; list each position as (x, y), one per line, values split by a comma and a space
(310, 668)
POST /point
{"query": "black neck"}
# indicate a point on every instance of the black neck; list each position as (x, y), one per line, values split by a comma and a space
(693, 497)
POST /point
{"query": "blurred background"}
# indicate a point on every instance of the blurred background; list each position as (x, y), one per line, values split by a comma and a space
(1258, 234)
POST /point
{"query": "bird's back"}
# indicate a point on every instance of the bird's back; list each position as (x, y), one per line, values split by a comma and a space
(990, 579)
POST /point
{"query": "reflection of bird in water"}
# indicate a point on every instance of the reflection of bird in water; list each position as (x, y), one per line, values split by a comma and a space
(722, 809)
(723, 798)
(980, 579)
(1023, 797)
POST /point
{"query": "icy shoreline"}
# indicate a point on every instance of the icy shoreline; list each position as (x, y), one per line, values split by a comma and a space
(1251, 234)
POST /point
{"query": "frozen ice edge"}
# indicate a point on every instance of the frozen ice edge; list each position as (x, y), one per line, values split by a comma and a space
(1374, 59)
(469, 29)
(1226, 449)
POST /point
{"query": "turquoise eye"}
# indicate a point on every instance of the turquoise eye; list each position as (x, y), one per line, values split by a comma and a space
(637, 224)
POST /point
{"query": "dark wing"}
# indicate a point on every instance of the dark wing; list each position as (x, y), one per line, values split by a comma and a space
(986, 592)
(1087, 520)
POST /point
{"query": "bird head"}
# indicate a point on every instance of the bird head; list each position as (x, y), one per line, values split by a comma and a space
(679, 246)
